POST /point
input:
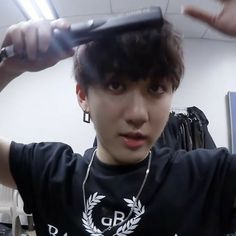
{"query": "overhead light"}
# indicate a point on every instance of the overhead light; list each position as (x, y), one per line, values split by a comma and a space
(36, 9)
(45, 9)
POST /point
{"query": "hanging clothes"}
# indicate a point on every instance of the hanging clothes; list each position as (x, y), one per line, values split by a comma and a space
(202, 123)
(187, 131)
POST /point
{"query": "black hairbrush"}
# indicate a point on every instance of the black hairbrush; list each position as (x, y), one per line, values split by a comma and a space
(81, 33)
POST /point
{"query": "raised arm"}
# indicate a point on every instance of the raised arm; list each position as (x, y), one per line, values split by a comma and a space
(35, 50)
(224, 22)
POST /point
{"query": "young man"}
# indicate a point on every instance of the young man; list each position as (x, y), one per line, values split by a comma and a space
(125, 186)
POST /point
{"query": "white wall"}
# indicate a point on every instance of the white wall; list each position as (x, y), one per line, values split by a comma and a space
(210, 74)
(43, 107)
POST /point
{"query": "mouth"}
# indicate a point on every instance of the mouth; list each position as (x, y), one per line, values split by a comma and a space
(134, 140)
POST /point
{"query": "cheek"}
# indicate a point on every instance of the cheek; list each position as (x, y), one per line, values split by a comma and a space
(104, 113)
(166, 109)
(161, 113)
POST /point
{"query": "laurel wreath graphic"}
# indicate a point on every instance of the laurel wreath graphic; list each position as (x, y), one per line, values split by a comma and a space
(123, 230)
(87, 214)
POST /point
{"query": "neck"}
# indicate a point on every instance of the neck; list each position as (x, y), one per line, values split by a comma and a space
(121, 159)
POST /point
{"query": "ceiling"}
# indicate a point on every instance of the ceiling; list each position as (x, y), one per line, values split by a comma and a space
(80, 10)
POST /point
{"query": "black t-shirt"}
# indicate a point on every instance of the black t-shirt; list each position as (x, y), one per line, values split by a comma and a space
(186, 193)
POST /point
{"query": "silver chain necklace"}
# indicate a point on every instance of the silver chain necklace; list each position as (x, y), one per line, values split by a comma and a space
(136, 198)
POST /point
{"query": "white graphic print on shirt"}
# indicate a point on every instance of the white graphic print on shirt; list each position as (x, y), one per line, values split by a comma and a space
(128, 227)
(53, 231)
(125, 229)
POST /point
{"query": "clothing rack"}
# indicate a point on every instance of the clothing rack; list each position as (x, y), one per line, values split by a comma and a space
(186, 129)
(179, 110)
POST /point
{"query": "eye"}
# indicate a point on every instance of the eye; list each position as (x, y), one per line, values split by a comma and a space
(115, 86)
(157, 89)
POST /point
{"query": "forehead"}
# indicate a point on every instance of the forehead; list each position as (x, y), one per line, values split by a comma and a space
(126, 78)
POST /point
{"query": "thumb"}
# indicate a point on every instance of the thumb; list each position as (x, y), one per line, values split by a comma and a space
(200, 14)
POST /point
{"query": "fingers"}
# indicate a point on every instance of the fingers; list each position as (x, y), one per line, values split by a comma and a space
(14, 36)
(33, 38)
(44, 36)
(30, 34)
(60, 24)
(200, 14)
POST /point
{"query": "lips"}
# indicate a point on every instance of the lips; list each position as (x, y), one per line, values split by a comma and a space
(134, 140)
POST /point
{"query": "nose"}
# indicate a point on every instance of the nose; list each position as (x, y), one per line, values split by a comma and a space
(136, 113)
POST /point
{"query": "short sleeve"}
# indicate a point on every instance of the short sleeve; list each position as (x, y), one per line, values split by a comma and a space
(215, 171)
(34, 166)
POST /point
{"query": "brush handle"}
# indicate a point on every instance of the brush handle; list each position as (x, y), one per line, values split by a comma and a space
(90, 30)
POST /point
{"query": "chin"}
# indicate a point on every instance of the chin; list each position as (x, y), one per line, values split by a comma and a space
(130, 156)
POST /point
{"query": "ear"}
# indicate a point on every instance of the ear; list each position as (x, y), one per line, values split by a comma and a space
(82, 98)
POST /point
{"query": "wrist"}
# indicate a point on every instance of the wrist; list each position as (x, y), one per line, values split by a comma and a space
(9, 70)
(6, 75)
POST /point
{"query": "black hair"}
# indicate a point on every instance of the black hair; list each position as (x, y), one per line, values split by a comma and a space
(148, 53)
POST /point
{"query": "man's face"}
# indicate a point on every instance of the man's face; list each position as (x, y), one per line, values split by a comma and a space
(128, 117)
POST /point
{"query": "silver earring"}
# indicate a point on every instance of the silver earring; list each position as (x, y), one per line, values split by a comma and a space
(86, 117)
